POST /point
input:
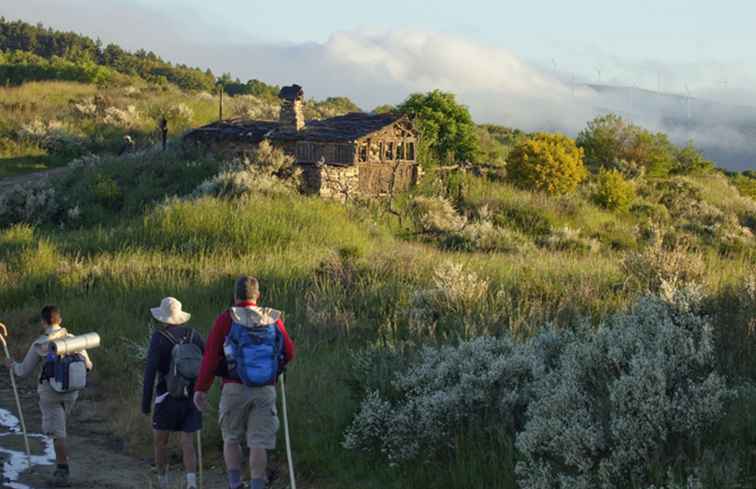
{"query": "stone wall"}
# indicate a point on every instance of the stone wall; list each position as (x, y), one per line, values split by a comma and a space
(336, 182)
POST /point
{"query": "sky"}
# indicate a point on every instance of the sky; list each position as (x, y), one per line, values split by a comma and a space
(524, 63)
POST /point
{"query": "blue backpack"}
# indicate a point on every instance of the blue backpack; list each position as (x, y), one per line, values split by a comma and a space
(254, 347)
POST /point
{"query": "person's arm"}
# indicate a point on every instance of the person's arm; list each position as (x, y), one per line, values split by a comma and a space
(31, 360)
(289, 349)
(150, 370)
(213, 353)
(87, 360)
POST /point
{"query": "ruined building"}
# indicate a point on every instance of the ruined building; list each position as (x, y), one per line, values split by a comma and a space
(357, 153)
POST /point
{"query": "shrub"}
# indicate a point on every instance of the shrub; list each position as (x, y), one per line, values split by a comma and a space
(435, 215)
(660, 268)
(610, 140)
(690, 161)
(586, 409)
(268, 169)
(547, 162)
(644, 389)
(613, 191)
(29, 203)
(568, 239)
(251, 107)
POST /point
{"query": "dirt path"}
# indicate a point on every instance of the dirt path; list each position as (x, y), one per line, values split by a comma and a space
(97, 460)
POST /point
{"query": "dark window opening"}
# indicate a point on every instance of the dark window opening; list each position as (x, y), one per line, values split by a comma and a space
(389, 151)
(399, 151)
(363, 152)
(411, 151)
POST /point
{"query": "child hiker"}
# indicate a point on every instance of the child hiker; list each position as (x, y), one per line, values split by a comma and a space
(55, 400)
(174, 357)
(239, 350)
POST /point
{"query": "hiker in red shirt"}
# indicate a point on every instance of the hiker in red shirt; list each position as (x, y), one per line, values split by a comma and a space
(249, 372)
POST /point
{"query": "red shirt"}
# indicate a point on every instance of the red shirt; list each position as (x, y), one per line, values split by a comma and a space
(214, 355)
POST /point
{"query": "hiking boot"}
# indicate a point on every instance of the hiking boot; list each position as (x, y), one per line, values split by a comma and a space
(60, 478)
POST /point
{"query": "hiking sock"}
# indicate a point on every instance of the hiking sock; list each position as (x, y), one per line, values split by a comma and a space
(258, 484)
(234, 479)
(191, 480)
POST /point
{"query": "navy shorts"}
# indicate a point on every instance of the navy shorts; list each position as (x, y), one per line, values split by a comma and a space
(176, 415)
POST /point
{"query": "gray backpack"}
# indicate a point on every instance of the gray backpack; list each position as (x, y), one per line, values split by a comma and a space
(186, 358)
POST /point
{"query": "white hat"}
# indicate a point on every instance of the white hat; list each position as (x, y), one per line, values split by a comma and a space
(170, 312)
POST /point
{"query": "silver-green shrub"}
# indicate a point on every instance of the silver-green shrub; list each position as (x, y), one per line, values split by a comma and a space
(624, 400)
(587, 408)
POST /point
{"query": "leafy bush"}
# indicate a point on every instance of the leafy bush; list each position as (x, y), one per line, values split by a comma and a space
(547, 162)
(613, 191)
(435, 215)
(609, 139)
(644, 389)
(586, 409)
(268, 169)
(690, 161)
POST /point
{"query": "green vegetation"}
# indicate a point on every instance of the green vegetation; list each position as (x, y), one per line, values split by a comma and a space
(612, 190)
(37, 53)
(447, 129)
(548, 162)
(468, 302)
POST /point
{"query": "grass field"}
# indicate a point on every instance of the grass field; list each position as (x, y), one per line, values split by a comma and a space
(112, 237)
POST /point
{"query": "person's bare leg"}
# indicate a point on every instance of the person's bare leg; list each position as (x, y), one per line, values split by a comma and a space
(161, 455)
(232, 454)
(190, 459)
(258, 463)
(61, 455)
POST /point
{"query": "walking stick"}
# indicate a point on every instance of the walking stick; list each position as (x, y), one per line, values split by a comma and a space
(3, 335)
(286, 433)
(199, 456)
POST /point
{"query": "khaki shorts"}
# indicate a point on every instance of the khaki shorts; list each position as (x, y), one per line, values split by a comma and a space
(249, 413)
(55, 407)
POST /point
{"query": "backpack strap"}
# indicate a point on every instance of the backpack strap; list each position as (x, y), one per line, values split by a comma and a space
(166, 334)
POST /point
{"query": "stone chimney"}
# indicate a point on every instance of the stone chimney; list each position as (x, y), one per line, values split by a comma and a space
(292, 110)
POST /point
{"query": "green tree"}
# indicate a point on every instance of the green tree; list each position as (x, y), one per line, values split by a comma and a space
(547, 162)
(445, 125)
(384, 109)
(610, 139)
(690, 161)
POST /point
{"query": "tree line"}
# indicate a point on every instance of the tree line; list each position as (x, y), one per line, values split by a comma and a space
(34, 52)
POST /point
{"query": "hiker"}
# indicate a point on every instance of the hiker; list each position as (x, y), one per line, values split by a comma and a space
(174, 357)
(248, 347)
(163, 126)
(55, 401)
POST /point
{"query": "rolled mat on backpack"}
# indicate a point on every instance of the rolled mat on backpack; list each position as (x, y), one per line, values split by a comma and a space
(74, 344)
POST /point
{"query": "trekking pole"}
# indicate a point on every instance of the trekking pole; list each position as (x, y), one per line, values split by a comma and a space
(199, 456)
(3, 335)
(286, 433)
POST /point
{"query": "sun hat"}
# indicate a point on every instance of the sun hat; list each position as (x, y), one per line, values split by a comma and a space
(170, 312)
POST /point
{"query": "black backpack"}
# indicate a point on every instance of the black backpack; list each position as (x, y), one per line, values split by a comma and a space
(186, 358)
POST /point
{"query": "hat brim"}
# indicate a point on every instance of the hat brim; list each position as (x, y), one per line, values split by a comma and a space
(175, 319)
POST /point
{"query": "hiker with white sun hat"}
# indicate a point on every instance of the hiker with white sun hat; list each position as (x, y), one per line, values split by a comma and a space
(174, 358)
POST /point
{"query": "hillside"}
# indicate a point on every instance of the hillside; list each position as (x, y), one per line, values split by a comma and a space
(539, 311)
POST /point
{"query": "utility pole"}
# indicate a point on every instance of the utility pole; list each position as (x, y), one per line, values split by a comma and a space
(220, 102)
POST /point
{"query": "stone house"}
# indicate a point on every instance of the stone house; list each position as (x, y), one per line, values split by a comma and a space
(344, 156)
